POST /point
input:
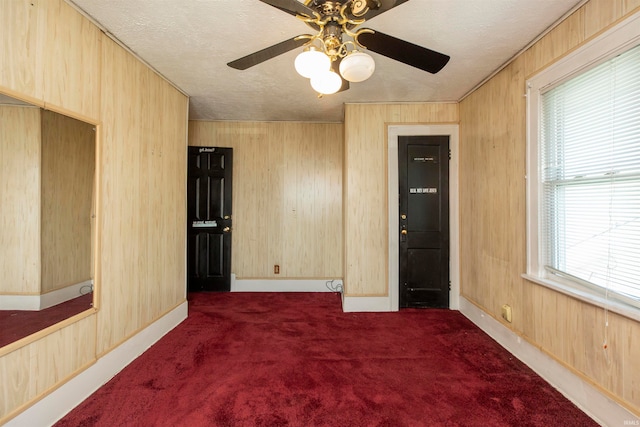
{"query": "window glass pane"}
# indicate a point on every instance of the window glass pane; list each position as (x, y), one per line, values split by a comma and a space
(590, 170)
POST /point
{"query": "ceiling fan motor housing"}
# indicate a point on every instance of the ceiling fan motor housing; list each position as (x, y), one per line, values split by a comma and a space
(357, 8)
(329, 8)
(332, 38)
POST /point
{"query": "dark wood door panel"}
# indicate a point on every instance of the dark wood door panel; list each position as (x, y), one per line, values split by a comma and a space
(424, 220)
(209, 217)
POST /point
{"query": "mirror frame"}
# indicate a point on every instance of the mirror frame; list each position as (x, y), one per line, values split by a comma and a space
(96, 268)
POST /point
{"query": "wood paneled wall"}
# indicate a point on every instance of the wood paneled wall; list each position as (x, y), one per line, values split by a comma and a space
(54, 57)
(31, 371)
(493, 215)
(143, 220)
(287, 196)
(20, 196)
(68, 168)
(366, 222)
(21, 52)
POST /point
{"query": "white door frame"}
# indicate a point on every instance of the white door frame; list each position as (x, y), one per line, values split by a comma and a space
(393, 132)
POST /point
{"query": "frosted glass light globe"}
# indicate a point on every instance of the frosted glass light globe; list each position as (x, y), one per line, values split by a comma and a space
(326, 82)
(357, 67)
(311, 61)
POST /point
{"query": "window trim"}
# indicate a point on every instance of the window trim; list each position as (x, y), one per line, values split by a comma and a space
(618, 39)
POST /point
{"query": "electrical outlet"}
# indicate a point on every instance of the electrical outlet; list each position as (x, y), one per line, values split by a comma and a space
(506, 312)
(276, 269)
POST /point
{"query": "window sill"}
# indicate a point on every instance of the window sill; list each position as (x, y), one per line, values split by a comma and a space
(588, 296)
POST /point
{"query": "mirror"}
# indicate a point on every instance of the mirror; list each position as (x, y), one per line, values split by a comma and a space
(47, 188)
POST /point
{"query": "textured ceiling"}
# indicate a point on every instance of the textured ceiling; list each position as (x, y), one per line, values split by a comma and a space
(190, 43)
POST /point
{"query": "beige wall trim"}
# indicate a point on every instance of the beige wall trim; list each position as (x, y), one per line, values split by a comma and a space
(40, 302)
(393, 132)
(287, 285)
(584, 395)
(57, 404)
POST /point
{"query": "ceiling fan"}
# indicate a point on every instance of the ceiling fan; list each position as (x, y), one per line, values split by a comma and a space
(333, 56)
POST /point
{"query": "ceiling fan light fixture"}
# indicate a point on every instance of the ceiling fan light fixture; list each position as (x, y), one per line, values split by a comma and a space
(326, 82)
(357, 67)
(311, 61)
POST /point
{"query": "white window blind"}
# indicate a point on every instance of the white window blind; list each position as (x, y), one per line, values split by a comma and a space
(590, 176)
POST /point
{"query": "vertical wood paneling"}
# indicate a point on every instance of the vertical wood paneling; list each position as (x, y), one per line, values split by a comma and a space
(20, 59)
(366, 200)
(20, 195)
(14, 370)
(629, 6)
(172, 203)
(148, 220)
(330, 247)
(291, 190)
(278, 174)
(68, 166)
(58, 355)
(287, 208)
(490, 151)
(555, 44)
(629, 333)
(598, 14)
(493, 228)
(163, 204)
(119, 315)
(71, 59)
(37, 368)
(143, 202)
(365, 206)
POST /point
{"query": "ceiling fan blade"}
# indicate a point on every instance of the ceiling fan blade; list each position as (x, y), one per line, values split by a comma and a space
(403, 51)
(292, 7)
(266, 53)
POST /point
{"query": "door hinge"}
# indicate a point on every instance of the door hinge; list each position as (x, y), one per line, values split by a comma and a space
(449, 154)
(449, 284)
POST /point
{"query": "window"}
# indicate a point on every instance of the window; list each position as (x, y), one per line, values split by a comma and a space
(584, 169)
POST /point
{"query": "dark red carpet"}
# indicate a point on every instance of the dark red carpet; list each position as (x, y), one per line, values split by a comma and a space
(17, 324)
(263, 359)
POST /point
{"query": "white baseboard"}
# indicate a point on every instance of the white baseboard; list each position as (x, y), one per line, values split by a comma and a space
(380, 304)
(40, 302)
(20, 302)
(65, 294)
(56, 405)
(585, 396)
(286, 285)
(366, 304)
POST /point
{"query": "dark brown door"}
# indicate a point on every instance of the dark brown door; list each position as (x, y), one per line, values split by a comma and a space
(424, 220)
(209, 219)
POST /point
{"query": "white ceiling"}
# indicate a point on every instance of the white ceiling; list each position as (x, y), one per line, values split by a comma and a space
(190, 42)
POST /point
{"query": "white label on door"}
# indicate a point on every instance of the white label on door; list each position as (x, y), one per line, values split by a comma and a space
(204, 224)
(429, 190)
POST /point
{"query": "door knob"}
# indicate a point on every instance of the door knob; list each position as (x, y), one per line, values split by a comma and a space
(403, 216)
(227, 217)
(403, 232)
(226, 229)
